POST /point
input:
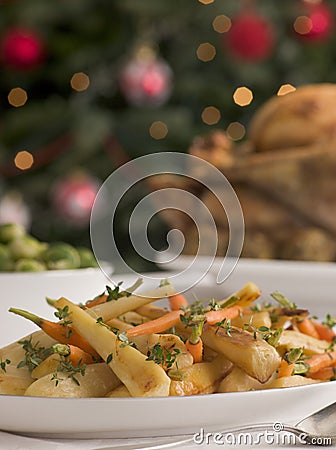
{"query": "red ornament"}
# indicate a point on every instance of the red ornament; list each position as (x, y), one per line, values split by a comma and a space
(73, 198)
(250, 37)
(146, 80)
(21, 49)
(316, 24)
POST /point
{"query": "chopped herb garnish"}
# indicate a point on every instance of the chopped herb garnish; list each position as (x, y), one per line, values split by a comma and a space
(330, 321)
(213, 305)
(224, 325)
(113, 294)
(62, 314)
(4, 363)
(163, 357)
(256, 307)
(270, 336)
(109, 358)
(65, 366)
(34, 354)
(283, 300)
(101, 322)
(230, 301)
(300, 368)
(293, 355)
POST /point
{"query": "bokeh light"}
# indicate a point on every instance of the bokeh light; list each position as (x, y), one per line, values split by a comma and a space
(286, 89)
(23, 160)
(211, 115)
(303, 25)
(221, 23)
(243, 96)
(206, 52)
(158, 130)
(17, 97)
(235, 131)
(80, 81)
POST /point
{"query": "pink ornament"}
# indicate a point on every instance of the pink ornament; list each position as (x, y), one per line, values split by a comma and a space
(21, 49)
(146, 80)
(250, 37)
(73, 198)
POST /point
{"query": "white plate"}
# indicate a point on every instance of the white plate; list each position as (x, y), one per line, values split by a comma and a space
(139, 417)
(28, 290)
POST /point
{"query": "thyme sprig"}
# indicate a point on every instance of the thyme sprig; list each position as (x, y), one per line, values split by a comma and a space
(65, 366)
(330, 321)
(63, 314)
(34, 354)
(225, 325)
(163, 357)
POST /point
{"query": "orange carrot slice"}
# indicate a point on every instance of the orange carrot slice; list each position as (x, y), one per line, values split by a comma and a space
(306, 326)
(214, 317)
(157, 325)
(285, 369)
(320, 361)
(177, 301)
(325, 333)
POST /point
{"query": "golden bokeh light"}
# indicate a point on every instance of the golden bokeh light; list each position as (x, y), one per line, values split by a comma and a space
(206, 2)
(23, 160)
(243, 96)
(286, 89)
(303, 25)
(158, 130)
(17, 97)
(80, 81)
(235, 131)
(211, 115)
(221, 23)
(206, 52)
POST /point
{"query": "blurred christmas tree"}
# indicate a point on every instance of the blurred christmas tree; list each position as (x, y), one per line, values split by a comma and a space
(87, 85)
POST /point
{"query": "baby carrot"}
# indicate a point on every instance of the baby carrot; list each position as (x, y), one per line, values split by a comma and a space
(306, 326)
(57, 330)
(320, 361)
(177, 301)
(75, 354)
(97, 301)
(196, 350)
(157, 325)
(194, 343)
(325, 333)
(285, 369)
(213, 317)
(324, 374)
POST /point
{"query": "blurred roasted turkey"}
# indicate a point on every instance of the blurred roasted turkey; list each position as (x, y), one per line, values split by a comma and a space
(284, 175)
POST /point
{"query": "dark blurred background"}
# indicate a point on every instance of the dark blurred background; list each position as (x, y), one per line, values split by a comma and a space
(87, 85)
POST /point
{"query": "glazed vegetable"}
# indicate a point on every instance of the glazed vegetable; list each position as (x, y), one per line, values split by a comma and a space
(61, 256)
(63, 332)
(253, 355)
(177, 301)
(200, 378)
(10, 231)
(95, 381)
(147, 350)
(26, 247)
(6, 263)
(21, 252)
(141, 377)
